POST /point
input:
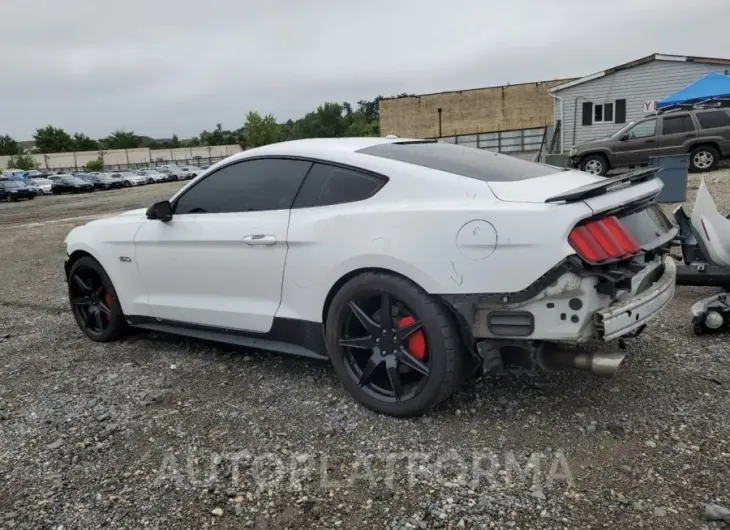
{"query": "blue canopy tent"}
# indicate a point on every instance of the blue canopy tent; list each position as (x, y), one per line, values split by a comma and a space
(710, 87)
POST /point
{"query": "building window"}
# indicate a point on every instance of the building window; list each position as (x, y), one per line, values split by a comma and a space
(603, 112)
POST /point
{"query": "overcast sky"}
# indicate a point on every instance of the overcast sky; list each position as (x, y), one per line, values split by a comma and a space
(159, 67)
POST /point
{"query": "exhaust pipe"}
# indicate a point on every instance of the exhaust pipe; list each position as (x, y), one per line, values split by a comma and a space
(601, 363)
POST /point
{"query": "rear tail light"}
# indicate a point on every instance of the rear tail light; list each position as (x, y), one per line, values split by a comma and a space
(603, 240)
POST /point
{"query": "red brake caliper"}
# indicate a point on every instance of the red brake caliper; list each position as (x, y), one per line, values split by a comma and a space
(417, 341)
(108, 303)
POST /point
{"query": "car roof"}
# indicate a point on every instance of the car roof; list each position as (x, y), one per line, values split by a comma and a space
(337, 150)
(312, 146)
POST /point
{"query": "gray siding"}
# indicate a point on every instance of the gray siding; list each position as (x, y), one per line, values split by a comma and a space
(651, 81)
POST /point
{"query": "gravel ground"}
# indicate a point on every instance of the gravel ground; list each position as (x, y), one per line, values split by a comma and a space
(161, 432)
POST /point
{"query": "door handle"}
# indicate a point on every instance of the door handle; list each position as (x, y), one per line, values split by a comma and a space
(259, 239)
(649, 141)
(689, 135)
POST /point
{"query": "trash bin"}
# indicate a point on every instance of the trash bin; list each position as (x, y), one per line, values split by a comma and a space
(674, 177)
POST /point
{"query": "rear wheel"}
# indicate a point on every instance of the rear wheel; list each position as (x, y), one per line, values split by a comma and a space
(94, 301)
(395, 349)
(703, 158)
(594, 164)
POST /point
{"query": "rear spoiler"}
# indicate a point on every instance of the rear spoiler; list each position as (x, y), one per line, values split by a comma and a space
(609, 184)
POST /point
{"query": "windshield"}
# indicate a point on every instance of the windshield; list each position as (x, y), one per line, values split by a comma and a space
(623, 129)
(115, 176)
(41, 181)
(12, 184)
(130, 174)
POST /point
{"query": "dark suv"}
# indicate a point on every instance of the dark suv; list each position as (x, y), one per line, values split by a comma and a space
(703, 133)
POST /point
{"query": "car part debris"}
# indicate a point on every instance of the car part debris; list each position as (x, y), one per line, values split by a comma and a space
(715, 512)
(711, 314)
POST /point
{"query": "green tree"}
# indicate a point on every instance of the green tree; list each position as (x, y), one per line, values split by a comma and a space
(260, 130)
(121, 139)
(220, 136)
(53, 140)
(22, 161)
(175, 142)
(95, 165)
(8, 146)
(192, 142)
(84, 143)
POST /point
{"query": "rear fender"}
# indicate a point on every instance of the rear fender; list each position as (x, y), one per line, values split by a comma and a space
(710, 227)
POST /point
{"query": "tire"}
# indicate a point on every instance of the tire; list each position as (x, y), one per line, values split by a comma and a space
(445, 358)
(594, 164)
(40, 192)
(31, 197)
(126, 184)
(150, 181)
(703, 158)
(113, 328)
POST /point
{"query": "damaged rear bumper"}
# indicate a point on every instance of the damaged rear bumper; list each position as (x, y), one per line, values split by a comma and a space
(576, 307)
(622, 318)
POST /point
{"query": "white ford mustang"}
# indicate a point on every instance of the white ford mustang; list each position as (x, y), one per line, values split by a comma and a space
(409, 264)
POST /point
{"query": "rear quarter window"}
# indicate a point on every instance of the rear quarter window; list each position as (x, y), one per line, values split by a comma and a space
(460, 160)
(713, 119)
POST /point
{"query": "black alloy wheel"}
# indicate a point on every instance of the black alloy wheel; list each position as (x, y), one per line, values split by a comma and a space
(94, 301)
(395, 349)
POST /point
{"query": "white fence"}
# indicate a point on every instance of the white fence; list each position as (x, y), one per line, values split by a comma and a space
(128, 157)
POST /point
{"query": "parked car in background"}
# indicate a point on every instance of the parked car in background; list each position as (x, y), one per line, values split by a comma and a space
(13, 190)
(172, 171)
(190, 172)
(702, 133)
(44, 185)
(86, 177)
(152, 175)
(129, 178)
(70, 184)
(34, 186)
(105, 181)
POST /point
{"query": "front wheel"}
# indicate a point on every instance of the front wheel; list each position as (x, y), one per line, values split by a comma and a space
(150, 181)
(703, 158)
(594, 164)
(127, 184)
(395, 349)
(94, 302)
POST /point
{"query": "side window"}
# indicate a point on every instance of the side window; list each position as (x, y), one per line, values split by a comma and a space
(713, 119)
(677, 124)
(250, 185)
(645, 129)
(326, 185)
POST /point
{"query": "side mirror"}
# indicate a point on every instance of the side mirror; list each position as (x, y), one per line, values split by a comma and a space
(161, 211)
(625, 138)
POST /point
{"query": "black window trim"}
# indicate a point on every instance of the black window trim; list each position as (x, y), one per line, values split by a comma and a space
(312, 160)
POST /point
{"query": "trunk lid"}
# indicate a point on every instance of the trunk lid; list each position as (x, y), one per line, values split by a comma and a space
(539, 189)
(599, 193)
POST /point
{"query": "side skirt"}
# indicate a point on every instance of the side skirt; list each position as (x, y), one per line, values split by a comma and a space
(293, 337)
